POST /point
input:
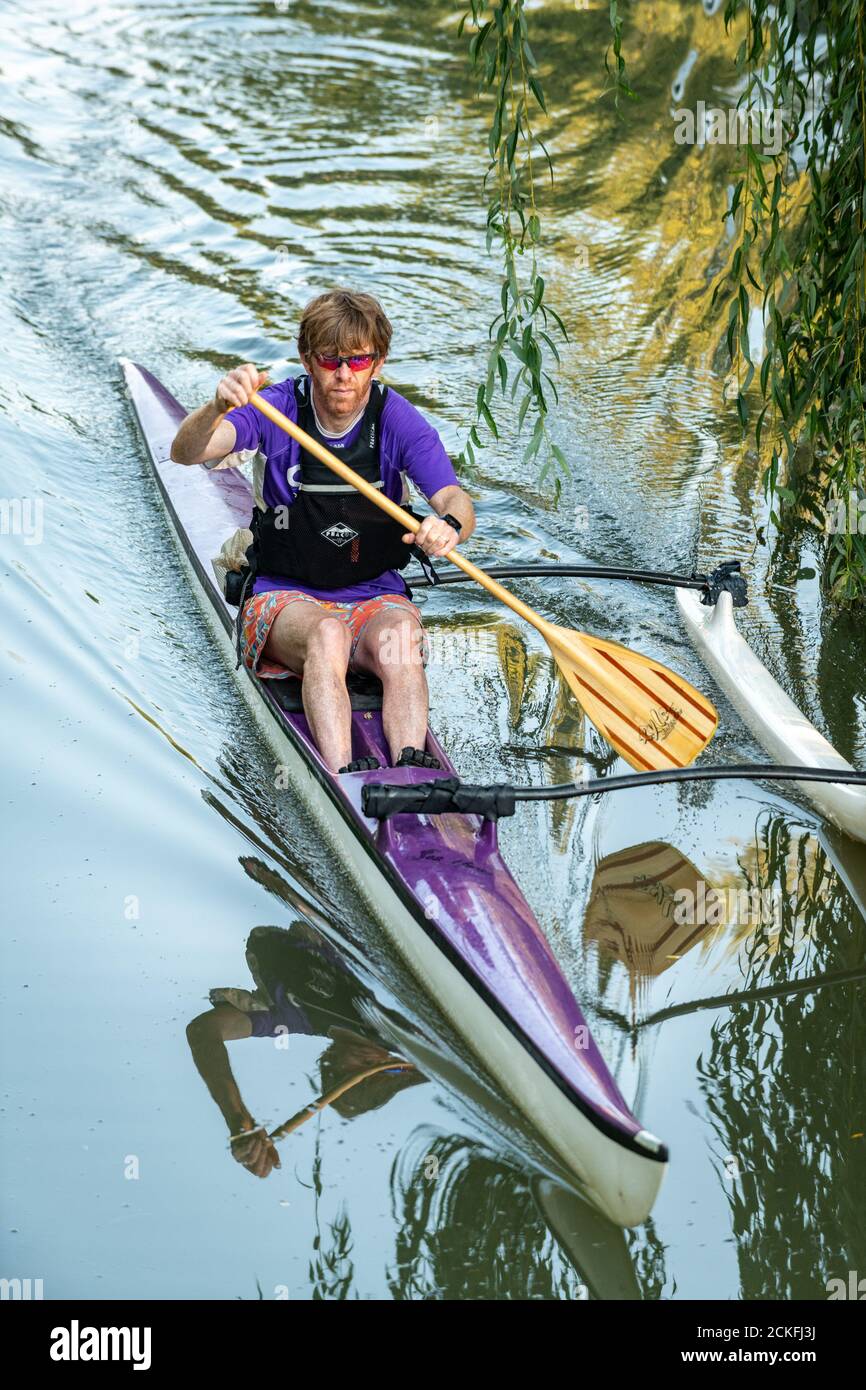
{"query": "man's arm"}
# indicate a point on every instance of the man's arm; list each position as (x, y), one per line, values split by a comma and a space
(207, 1036)
(206, 433)
(437, 537)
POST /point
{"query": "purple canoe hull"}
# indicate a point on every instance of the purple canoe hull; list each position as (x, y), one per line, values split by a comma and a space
(438, 883)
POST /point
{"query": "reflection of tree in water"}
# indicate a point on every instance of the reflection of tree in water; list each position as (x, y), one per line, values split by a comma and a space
(785, 1081)
(468, 1228)
(648, 1253)
(331, 1267)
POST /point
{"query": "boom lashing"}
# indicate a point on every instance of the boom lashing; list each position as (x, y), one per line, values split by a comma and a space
(726, 578)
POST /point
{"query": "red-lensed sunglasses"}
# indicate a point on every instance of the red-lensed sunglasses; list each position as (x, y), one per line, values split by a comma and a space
(358, 362)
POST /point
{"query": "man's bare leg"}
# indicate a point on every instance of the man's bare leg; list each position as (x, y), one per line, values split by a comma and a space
(390, 647)
(316, 646)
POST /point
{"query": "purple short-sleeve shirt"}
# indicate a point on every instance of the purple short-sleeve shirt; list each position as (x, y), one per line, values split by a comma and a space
(408, 444)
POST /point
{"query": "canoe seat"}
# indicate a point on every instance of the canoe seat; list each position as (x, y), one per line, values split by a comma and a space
(365, 692)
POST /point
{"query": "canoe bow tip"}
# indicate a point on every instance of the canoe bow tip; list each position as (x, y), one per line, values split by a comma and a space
(653, 1145)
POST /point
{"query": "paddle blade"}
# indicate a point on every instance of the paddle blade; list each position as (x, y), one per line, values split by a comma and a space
(652, 717)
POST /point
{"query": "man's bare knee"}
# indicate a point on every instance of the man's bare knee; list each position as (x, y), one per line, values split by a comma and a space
(397, 652)
(329, 643)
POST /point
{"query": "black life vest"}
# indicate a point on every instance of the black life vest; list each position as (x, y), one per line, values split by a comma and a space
(331, 537)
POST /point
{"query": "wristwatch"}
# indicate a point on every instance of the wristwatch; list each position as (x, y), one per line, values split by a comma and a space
(452, 521)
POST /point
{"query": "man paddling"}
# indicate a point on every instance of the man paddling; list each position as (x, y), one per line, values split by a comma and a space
(328, 595)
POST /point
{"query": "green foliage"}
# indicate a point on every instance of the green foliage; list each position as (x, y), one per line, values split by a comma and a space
(800, 248)
(616, 70)
(799, 253)
(523, 334)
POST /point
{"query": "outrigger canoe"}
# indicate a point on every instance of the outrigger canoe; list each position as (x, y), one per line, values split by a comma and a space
(437, 883)
(769, 712)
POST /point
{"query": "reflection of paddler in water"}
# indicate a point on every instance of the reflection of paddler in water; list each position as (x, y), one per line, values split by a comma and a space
(633, 909)
(303, 988)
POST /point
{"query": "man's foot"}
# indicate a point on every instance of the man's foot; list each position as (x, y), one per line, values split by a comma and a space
(416, 757)
(361, 765)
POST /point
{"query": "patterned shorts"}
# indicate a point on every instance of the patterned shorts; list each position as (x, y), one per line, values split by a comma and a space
(261, 611)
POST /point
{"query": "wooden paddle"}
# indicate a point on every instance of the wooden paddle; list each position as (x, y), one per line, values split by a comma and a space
(289, 1127)
(652, 717)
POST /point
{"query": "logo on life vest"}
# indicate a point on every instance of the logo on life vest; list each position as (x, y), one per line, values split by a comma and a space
(339, 534)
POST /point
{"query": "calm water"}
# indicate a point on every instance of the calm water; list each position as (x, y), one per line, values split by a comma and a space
(178, 179)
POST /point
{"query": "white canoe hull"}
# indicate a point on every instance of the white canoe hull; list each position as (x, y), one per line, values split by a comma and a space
(768, 712)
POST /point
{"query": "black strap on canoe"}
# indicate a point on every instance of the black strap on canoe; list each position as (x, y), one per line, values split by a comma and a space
(239, 585)
(431, 574)
(246, 589)
(382, 799)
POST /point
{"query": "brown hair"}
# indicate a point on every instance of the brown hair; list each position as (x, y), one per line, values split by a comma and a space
(343, 321)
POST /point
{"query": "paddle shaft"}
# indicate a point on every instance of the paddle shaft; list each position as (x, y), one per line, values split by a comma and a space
(330, 1096)
(409, 522)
